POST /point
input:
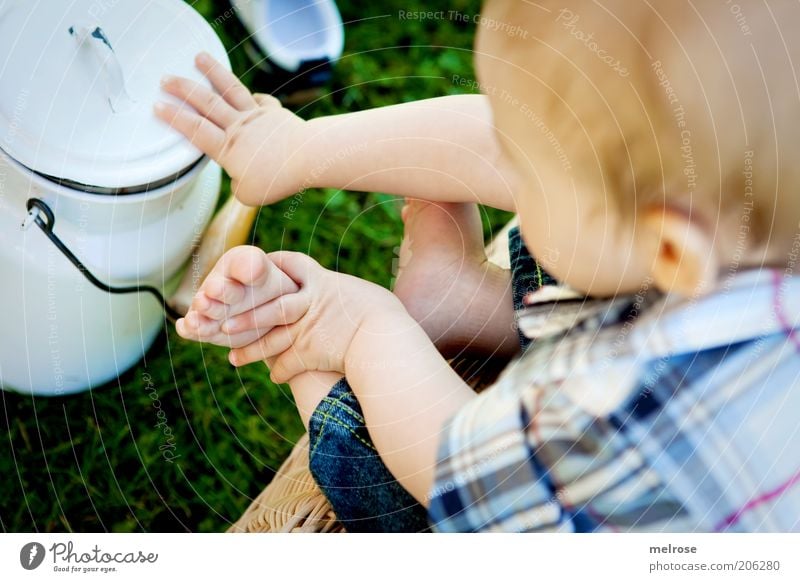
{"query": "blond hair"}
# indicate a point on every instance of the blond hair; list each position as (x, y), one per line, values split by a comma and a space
(695, 103)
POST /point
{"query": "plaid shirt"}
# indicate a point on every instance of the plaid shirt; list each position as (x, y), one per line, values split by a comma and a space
(637, 414)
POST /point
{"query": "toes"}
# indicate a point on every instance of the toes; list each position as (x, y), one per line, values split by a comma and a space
(239, 268)
(224, 290)
(241, 322)
(211, 308)
(411, 208)
(242, 281)
(182, 329)
(285, 310)
(240, 340)
(407, 210)
(404, 212)
(199, 327)
(271, 283)
(250, 269)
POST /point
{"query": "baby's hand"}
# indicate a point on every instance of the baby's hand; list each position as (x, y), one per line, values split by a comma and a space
(337, 308)
(242, 299)
(252, 136)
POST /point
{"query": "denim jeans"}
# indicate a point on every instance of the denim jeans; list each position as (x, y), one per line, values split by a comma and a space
(346, 466)
(526, 275)
(343, 460)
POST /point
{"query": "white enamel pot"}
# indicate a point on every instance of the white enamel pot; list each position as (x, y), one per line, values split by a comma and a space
(101, 186)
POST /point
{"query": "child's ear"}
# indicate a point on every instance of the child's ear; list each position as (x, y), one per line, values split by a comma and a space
(685, 261)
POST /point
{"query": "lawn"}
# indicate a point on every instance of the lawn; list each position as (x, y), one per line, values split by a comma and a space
(107, 460)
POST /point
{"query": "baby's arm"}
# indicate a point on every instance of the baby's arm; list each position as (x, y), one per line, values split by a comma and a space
(405, 387)
(407, 391)
(440, 150)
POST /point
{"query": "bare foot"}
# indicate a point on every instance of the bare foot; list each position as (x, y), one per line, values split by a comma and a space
(234, 306)
(461, 300)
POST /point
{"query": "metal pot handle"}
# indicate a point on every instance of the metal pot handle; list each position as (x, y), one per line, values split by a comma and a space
(93, 36)
(230, 228)
(42, 215)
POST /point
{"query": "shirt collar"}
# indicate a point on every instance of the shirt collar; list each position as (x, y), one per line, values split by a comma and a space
(743, 306)
(629, 330)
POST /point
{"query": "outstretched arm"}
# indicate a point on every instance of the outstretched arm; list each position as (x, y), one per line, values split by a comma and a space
(440, 150)
(407, 391)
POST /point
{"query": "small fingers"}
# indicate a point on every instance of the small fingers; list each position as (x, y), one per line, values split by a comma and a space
(196, 327)
(286, 366)
(248, 265)
(205, 136)
(207, 103)
(240, 340)
(284, 310)
(227, 283)
(226, 83)
(275, 342)
(217, 338)
(298, 266)
(264, 100)
(224, 290)
(209, 307)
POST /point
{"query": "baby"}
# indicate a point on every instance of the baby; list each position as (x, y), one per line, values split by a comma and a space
(650, 152)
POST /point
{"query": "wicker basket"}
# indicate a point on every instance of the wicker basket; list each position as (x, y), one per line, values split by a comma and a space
(292, 502)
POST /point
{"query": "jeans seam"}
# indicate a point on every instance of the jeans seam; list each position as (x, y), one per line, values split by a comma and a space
(327, 416)
(337, 403)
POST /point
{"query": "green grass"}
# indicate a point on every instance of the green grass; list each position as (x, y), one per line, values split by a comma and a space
(92, 462)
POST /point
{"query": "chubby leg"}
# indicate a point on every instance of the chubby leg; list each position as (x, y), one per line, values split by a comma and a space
(461, 300)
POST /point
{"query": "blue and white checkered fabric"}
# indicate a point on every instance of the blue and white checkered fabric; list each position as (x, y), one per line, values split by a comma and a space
(644, 415)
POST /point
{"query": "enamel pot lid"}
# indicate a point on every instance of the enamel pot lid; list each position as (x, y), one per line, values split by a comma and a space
(78, 80)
